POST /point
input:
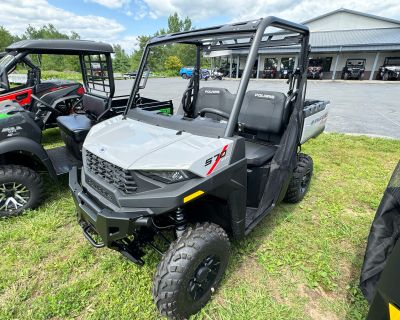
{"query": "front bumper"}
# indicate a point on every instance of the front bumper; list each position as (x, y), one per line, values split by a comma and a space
(109, 225)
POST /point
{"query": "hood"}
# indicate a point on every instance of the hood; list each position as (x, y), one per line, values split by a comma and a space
(393, 68)
(135, 145)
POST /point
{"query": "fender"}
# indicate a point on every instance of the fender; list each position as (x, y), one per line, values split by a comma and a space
(16, 144)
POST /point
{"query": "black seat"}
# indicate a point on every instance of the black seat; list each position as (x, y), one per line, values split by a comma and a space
(78, 125)
(263, 116)
(216, 98)
(74, 128)
(257, 154)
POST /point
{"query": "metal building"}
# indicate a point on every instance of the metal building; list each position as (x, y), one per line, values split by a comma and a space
(335, 37)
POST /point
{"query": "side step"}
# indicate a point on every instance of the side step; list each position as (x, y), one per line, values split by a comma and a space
(253, 217)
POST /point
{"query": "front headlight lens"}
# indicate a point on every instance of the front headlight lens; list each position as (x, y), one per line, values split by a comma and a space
(172, 176)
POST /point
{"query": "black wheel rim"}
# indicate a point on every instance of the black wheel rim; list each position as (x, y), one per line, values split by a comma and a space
(204, 277)
(13, 196)
(305, 181)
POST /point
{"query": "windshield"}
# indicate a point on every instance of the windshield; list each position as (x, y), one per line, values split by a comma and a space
(355, 63)
(392, 61)
(315, 63)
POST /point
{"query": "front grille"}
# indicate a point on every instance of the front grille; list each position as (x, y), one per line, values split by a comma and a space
(110, 173)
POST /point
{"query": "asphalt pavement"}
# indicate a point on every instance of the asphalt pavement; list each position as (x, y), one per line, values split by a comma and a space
(357, 107)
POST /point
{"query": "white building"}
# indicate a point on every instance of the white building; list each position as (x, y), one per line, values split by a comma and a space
(334, 37)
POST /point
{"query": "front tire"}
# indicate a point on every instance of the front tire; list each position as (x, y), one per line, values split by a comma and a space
(190, 271)
(385, 76)
(184, 76)
(300, 182)
(21, 188)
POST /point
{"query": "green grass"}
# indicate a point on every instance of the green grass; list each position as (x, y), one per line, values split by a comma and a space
(301, 262)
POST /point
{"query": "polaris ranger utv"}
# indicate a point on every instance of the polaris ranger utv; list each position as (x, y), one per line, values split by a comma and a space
(209, 176)
(354, 69)
(66, 93)
(22, 156)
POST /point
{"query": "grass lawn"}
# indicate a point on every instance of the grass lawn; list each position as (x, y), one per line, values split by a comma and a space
(301, 262)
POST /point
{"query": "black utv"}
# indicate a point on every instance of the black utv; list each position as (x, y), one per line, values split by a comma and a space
(354, 69)
(22, 156)
(195, 182)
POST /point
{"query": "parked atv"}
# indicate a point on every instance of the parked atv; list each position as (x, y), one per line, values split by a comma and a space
(379, 275)
(217, 74)
(354, 69)
(390, 69)
(285, 73)
(66, 94)
(208, 177)
(270, 72)
(22, 156)
(315, 69)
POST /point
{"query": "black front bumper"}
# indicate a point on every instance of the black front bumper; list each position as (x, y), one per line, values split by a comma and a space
(109, 225)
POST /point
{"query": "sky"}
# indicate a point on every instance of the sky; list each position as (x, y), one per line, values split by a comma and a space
(121, 21)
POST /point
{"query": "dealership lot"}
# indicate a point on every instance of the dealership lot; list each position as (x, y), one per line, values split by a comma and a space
(368, 107)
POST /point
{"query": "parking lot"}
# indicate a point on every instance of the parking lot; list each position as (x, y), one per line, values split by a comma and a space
(370, 108)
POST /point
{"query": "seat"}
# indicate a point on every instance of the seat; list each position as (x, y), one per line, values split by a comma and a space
(76, 126)
(217, 98)
(264, 116)
(257, 154)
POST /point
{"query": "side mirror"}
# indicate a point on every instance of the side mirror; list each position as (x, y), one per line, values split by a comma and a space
(145, 76)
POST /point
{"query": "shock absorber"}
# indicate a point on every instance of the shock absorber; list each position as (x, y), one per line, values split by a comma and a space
(180, 221)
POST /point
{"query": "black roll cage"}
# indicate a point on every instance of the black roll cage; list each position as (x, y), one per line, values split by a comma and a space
(94, 84)
(249, 34)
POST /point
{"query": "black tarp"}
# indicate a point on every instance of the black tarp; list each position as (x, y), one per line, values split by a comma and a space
(385, 231)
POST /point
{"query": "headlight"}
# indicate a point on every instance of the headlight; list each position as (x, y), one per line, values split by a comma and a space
(168, 176)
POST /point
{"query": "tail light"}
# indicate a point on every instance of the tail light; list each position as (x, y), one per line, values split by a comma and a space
(80, 91)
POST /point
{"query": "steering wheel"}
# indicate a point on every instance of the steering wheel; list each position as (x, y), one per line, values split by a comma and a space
(214, 111)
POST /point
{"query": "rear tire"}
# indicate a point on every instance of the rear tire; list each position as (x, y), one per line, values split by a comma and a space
(184, 76)
(190, 271)
(21, 188)
(300, 182)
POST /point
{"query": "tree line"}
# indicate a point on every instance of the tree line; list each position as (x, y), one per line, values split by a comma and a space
(166, 59)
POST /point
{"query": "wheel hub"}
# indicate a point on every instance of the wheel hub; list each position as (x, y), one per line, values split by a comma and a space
(204, 277)
(13, 196)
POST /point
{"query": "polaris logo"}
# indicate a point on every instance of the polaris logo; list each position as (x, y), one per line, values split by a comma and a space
(212, 91)
(264, 96)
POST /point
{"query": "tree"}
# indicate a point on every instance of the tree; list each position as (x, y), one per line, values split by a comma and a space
(121, 59)
(6, 38)
(173, 63)
(184, 53)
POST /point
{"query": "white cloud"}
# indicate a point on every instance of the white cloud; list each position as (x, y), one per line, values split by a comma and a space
(296, 10)
(111, 4)
(17, 15)
(129, 43)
